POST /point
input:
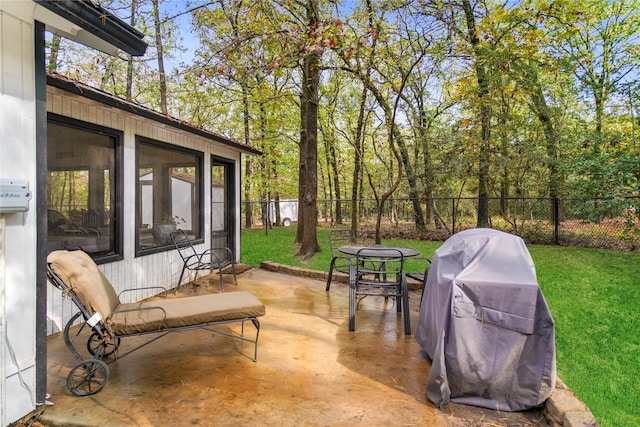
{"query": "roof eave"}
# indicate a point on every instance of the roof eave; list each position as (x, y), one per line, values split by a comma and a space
(98, 28)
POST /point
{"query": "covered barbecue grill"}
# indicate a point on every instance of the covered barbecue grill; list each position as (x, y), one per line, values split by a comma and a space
(486, 325)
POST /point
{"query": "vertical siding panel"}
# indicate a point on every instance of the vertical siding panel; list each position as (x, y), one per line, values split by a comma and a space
(115, 123)
(68, 310)
(75, 109)
(91, 116)
(18, 234)
(103, 117)
(66, 107)
(84, 112)
(56, 103)
(155, 133)
(106, 117)
(100, 116)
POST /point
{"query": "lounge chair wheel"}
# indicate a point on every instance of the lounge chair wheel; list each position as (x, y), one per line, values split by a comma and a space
(100, 347)
(88, 377)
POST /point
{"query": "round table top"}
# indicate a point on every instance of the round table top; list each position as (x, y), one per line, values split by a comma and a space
(378, 250)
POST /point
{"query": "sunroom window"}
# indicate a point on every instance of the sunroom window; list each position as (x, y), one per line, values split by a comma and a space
(82, 194)
(169, 195)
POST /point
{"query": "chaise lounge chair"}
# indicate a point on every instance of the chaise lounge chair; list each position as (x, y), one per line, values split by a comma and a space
(78, 277)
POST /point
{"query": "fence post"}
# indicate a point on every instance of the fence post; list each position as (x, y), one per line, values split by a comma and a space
(265, 216)
(556, 220)
(453, 215)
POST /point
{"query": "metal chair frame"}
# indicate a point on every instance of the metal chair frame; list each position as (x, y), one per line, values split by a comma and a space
(340, 262)
(379, 273)
(420, 276)
(207, 260)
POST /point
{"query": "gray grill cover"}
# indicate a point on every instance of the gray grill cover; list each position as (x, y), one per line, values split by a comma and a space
(485, 324)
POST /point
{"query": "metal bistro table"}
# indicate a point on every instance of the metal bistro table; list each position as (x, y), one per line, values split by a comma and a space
(378, 271)
(378, 250)
(377, 254)
(385, 251)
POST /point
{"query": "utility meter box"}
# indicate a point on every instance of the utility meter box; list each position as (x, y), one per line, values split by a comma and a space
(14, 195)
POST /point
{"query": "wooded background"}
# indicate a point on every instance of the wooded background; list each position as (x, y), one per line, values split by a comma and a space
(377, 100)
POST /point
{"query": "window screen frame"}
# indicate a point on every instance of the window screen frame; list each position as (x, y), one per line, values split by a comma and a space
(199, 155)
(117, 199)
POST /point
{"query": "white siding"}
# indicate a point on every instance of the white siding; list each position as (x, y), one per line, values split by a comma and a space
(17, 230)
(161, 269)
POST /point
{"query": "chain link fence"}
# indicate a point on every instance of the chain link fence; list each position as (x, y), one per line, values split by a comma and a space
(598, 222)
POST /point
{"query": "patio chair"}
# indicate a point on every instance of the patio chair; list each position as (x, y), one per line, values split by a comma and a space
(420, 276)
(340, 262)
(79, 279)
(210, 260)
(379, 272)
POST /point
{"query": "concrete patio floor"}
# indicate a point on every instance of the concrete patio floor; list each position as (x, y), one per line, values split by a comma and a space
(311, 371)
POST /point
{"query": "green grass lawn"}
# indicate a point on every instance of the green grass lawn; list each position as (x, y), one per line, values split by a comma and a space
(594, 296)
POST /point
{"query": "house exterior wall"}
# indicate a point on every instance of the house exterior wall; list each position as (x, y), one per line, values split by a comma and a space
(22, 378)
(160, 269)
(18, 236)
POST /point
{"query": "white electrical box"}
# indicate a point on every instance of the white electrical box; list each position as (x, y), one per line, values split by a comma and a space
(14, 195)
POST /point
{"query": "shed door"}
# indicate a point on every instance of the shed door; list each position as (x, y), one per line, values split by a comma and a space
(222, 203)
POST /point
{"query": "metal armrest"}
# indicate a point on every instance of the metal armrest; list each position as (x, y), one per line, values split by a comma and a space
(211, 251)
(164, 290)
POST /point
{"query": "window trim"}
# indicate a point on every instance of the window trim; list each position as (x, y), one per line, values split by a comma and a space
(231, 197)
(118, 197)
(166, 146)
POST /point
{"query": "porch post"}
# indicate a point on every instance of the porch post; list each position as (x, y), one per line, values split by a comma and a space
(41, 213)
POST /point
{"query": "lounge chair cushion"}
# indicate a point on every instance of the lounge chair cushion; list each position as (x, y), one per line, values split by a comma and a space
(162, 314)
(79, 272)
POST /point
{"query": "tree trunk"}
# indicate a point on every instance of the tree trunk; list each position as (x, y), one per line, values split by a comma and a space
(129, 88)
(429, 179)
(358, 152)
(302, 165)
(309, 150)
(504, 167)
(265, 170)
(542, 111)
(53, 53)
(336, 183)
(327, 185)
(333, 176)
(248, 211)
(276, 209)
(358, 156)
(159, 49)
(599, 102)
(485, 116)
(414, 195)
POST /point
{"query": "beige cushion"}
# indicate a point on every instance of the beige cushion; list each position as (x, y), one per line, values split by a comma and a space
(79, 272)
(188, 311)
